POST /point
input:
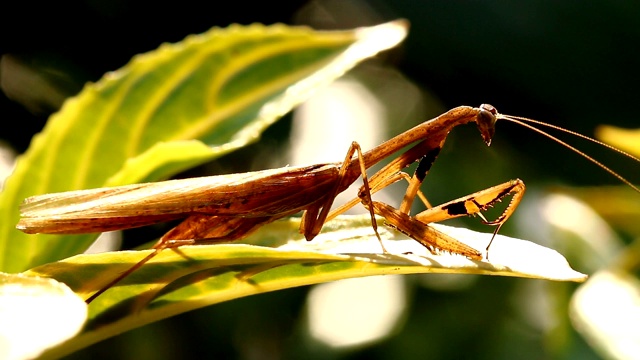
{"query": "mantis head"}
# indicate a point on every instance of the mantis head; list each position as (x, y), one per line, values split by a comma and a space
(486, 121)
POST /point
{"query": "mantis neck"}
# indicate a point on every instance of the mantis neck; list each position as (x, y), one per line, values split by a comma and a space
(432, 132)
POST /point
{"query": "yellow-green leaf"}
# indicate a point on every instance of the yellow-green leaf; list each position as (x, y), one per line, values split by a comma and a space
(223, 88)
(195, 276)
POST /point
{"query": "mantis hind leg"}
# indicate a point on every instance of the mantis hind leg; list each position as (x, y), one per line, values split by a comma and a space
(200, 229)
(205, 229)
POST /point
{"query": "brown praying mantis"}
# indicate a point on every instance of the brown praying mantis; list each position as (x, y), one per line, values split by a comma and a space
(225, 208)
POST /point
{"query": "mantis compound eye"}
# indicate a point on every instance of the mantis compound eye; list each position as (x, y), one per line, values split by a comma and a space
(489, 108)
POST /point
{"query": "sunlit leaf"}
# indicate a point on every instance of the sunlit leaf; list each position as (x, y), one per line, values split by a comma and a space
(153, 117)
(195, 276)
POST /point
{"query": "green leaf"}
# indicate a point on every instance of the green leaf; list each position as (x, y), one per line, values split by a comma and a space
(222, 88)
(191, 277)
(36, 314)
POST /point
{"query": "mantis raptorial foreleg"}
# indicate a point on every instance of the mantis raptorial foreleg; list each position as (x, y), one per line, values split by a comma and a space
(477, 202)
(417, 227)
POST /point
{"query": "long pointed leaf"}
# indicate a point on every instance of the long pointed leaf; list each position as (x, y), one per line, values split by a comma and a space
(195, 276)
(223, 87)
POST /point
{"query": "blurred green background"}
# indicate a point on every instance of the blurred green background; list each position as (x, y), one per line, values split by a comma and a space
(573, 64)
